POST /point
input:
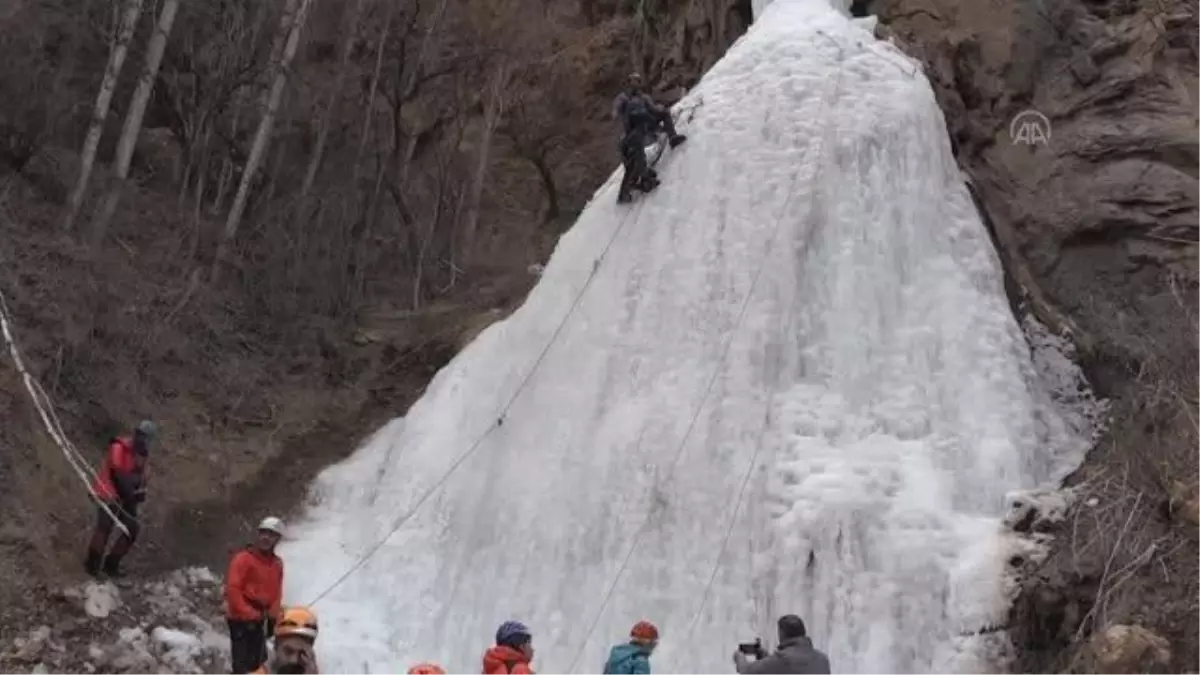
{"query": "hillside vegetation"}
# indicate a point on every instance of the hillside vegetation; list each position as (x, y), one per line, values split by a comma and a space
(265, 224)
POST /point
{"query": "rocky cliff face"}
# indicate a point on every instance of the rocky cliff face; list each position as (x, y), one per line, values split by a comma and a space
(1076, 122)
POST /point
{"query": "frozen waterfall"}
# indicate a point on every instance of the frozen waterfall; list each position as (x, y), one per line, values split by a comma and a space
(786, 381)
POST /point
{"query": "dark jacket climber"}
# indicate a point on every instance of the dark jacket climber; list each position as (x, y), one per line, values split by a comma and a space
(640, 119)
(120, 486)
(253, 593)
(794, 655)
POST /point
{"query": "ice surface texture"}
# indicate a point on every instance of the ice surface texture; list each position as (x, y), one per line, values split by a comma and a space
(808, 307)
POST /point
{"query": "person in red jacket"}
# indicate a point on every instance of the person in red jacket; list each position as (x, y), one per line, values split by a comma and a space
(253, 592)
(512, 652)
(120, 486)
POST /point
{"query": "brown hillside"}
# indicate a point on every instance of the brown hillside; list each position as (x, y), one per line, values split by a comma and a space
(459, 141)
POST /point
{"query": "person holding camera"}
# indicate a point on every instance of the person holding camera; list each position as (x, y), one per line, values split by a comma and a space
(795, 654)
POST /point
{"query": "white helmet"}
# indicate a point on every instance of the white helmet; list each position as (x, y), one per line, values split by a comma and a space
(271, 524)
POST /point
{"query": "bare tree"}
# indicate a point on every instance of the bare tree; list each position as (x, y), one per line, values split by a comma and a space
(543, 119)
(217, 54)
(116, 60)
(133, 118)
(333, 98)
(493, 111)
(293, 21)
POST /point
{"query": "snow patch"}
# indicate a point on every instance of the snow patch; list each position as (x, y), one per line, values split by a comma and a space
(181, 648)
(1037, 510)
(100, 599)
(171, 624)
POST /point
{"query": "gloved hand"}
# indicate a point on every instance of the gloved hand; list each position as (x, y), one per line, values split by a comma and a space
(139, 495)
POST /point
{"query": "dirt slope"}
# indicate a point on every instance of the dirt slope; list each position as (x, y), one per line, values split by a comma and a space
(281, 367)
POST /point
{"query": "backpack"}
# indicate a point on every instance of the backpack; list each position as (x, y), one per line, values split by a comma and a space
(624, 666)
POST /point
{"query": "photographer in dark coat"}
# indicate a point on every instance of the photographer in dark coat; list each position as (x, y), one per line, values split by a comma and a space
(795, 654)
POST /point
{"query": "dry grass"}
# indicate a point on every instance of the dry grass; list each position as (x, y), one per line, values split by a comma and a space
(1127, 553)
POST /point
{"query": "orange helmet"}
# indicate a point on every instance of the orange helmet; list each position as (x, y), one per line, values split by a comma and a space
(426, 668)
(644, 631)
(297, 621)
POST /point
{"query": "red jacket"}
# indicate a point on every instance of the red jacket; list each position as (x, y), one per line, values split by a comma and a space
(253, 578)
(502, 659)
(119, 475)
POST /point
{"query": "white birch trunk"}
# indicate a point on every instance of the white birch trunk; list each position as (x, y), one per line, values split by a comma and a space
(116, 60)
(133, 118)
(263, 136)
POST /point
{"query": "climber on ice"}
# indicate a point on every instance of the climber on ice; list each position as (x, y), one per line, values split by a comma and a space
(641, 118)
(633, 657)
(120, 486)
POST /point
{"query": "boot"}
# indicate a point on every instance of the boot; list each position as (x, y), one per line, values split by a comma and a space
(623, 197)
(677, 140)
(92, 563)
(112, 566)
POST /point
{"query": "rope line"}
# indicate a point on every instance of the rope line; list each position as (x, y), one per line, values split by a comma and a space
(374, 548)
(45, 407)
(762, 431)
(708, 390)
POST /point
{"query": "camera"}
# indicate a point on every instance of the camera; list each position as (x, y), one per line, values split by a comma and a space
(753, 648)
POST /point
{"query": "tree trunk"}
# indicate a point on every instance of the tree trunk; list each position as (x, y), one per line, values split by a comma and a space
(369, 111)
(133, 118)
(410, 90)
(262, 137)
(493, 111)
(225, 178)
(331, 103)
(543, 169)
(116, 60)
(223, 182)
(69, 63)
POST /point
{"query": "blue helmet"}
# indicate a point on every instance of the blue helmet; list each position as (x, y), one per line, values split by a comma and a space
(513, 634)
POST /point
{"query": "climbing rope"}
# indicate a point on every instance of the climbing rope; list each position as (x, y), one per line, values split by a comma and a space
(789, 316)
(374, 548)
(700, 407)
(45, 407)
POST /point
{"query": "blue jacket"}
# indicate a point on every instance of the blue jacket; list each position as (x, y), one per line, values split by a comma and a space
(628, 659)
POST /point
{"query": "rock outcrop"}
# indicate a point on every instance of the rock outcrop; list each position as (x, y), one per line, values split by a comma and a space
(1076, 123)
(1126, 649)
(1096, 214)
